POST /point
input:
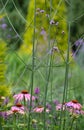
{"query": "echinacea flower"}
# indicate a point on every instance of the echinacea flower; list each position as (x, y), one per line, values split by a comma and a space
(82, 112)
(73, 104)
(23, 95)
(60, 107)
(75, 112)
(40, 109)
(16, 109)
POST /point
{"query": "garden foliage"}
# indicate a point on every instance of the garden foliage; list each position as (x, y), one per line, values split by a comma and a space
(14, 21)
(43, 71)
(46, 14)
(76, 17)
(4, 89)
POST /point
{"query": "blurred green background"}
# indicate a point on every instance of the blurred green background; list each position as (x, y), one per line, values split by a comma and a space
(16, 30)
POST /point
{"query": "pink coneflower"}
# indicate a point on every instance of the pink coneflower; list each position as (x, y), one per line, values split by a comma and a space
(75, 112)
(23, 95)
(40, 109)
(60, 107)
(74, 104)
(82, 112)
(16, 109)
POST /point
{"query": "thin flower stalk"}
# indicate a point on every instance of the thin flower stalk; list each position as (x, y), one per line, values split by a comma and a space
(48, 70)
(32, 76)
(65, 84)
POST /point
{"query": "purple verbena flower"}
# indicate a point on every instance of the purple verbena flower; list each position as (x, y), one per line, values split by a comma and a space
(60, 107)
(9, 36)
(3, 114)
(38, 9)
(43, 32)
(36, 90)
(36, 98)
(48, 122)
(49, 106)
(6, 101)
(52, 22)
(79, 42)
(56, 102)
(3, 26)
(42, 11)
(57, 23)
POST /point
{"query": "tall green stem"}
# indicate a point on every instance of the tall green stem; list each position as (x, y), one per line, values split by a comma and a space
(32, 76)
(71, 126)
(48, 70)
(63, 113)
